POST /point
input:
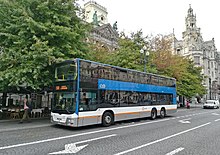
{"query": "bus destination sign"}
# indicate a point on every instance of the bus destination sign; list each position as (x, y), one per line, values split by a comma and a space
(61, 88)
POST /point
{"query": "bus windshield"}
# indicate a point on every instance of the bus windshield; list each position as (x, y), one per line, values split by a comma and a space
(65, 72)
(64, 103)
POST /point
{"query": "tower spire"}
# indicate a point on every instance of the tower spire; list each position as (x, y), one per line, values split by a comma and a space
(190, 11)
(190, 19)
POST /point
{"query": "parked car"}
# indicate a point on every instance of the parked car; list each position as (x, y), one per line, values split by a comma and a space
(211, 104)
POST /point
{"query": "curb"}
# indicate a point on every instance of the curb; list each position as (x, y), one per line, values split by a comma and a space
(17, 120)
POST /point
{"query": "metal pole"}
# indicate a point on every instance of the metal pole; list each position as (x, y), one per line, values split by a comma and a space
(145, 70)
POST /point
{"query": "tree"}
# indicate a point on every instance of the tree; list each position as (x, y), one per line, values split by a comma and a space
(98, 52)
(128, 55)
(189, 79)
(35, 34)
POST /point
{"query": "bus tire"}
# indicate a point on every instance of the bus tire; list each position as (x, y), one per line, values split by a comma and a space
(107, 119)
(162, 113)
(153, 114)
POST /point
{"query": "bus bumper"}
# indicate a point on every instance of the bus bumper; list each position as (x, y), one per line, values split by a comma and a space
(64, 120)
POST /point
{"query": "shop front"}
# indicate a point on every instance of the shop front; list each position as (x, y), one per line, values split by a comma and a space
(12, 105)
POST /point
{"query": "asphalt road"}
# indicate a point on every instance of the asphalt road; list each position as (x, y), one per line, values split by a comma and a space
(194, 131)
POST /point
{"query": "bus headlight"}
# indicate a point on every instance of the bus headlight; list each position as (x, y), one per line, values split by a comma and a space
(70, 120)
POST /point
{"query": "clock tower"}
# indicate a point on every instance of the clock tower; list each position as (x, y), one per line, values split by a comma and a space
(191, 36)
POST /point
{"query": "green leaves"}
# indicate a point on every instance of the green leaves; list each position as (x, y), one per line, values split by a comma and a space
(189, 79)
(35, 34)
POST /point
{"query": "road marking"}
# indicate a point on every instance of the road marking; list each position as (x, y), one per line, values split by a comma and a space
(215, 114)
(98, 138)
(72, 148)
(217, 120)
(86, 133)
(185, 121)
(80, 134)
(175, 151)
(160, 140)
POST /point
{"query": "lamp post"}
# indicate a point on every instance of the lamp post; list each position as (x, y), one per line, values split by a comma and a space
(146, 53)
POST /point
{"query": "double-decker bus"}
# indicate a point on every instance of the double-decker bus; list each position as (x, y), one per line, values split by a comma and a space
(87, 92)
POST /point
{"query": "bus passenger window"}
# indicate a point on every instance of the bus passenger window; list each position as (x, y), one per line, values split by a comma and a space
(84, 102)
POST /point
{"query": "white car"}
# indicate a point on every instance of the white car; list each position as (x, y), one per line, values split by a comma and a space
(211, 104)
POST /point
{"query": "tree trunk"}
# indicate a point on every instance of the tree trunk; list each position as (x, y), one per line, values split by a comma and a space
(4, 97)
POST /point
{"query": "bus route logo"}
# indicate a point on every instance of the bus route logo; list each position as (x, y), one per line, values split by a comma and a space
(102, 86)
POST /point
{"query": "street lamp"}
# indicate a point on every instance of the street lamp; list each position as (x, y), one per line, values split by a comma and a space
(146, 53)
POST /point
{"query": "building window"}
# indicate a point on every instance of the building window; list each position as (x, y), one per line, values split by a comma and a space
(178, 51)
(197, 60)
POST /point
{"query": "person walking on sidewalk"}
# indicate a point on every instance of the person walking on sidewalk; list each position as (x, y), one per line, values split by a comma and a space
(188, 104)
(26, 112)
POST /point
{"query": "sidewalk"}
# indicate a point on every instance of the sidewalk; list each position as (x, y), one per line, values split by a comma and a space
(17, 120)
(197, 105)
(12, 125)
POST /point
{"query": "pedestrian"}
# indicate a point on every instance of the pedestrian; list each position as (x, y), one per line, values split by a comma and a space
(26, 111)
(187, 104)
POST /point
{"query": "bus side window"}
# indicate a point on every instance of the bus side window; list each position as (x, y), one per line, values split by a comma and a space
(127, 78)
(161, 81)
(170, 83)
(88, 100)
(165, 82)
(138, 77)
(154, 98)
(146, 79)
(149, 79)
(148, 98)
(123, 97)
(134, 79)
(117, 72)
(111, 74)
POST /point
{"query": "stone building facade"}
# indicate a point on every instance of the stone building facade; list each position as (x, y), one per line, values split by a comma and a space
(90, 8)
(102, 33)
(203, 53)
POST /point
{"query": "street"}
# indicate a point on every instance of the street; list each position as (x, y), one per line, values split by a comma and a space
(192, 131)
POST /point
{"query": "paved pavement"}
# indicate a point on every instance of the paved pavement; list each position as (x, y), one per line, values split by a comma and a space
(17, 120)
(188, 132)
(12, 125)
(198, 105)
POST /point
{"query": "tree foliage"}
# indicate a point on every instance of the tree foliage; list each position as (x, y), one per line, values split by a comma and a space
(128, 55)
(34, 34)
(98, 52)
(188, 76)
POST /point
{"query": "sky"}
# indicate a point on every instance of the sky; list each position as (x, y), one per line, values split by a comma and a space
(162, 16)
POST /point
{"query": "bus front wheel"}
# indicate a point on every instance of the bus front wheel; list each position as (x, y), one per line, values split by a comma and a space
(153, 114)
(107, 119)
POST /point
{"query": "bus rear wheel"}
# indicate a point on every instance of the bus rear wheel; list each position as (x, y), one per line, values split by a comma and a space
(153, 114)
(162, 113)
(107, 119)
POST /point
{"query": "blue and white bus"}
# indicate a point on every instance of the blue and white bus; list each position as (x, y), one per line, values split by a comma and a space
(87, 92)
